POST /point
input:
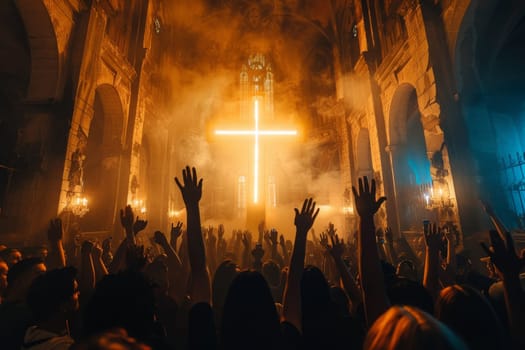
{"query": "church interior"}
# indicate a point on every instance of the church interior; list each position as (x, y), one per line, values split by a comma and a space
(102, 103)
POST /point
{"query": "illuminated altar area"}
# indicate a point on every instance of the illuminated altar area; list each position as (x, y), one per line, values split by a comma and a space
(256, 142)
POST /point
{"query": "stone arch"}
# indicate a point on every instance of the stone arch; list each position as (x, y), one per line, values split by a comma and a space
(363, 155)
(408, 155)
(103, 160)
(44, 81)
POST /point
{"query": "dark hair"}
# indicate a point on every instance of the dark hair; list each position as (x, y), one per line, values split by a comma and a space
(471, 316)
(404, 291)
(341, 299)
(123, 300)
(21, 268)
(321, 320)
(49, 291)
(272, 272)
(222, 280)
(249, 313)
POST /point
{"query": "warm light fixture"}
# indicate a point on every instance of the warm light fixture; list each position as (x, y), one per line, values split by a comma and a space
(256, 133)
(77, 204)
(139, 206)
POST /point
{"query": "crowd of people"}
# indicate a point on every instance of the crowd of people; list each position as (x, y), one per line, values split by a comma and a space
(200, 288)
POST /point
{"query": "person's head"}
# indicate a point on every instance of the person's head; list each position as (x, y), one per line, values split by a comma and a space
(3, 277)
(404, 291)
(13, 256)
(54, 295)
(321, 319)
(124, 300)
(20, 277)
(464, 265)
(408, 328)
(272, 272)
(314, 288)
(157, 274)
(470, 315)
(115, 339)
(341, 299)
(222, 280)
(407, 269)
(249, 315)
(389, 271)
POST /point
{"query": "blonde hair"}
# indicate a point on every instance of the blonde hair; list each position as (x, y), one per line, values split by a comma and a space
(408, 328)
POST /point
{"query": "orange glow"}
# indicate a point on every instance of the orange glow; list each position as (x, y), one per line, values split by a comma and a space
(256, 133)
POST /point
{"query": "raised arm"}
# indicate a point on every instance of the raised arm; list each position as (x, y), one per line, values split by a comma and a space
(433, 238)
(448, 275)
(191, 190)
(372, 282)
(274, 240)
(174, 265)
(56, 257)
(175, 233)
(98, 263)
(286, 255)
(390, 249)
(508, 266)
(336, 250)
(304, 220)
(86, 282)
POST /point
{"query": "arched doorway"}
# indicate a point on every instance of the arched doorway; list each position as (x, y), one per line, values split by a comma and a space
(103, 160)
(410, 164)
(492, 95)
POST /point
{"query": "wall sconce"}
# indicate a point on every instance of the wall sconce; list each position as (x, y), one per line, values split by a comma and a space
(348, 210)
(77, 204)
(138, 206)
(176, 214)
(436, 195)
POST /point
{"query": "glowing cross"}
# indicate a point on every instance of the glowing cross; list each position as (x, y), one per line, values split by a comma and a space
(256, 132)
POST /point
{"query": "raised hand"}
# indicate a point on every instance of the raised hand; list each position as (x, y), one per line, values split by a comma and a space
(337, 248)
(87, 248)
(323, 240)
(176, 231)
(331, 229)
(365, 199)
(246, 239)
(192, 189)
(55, 231)
(282, 241)
(433, 236)
(212, 239)
(267, 238)
(258, 252)
(139, 225)
(220, 232)
(304, 219)
(448, 235)
(126, 218)
(273, 237)
(106, 244)
(389, 235)
(503, 254)
(160, 238)
(96, 251)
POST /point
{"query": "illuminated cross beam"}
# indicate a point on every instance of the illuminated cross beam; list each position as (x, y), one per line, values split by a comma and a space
(256, 133)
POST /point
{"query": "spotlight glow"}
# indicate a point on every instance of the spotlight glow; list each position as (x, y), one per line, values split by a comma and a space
(256, 133)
